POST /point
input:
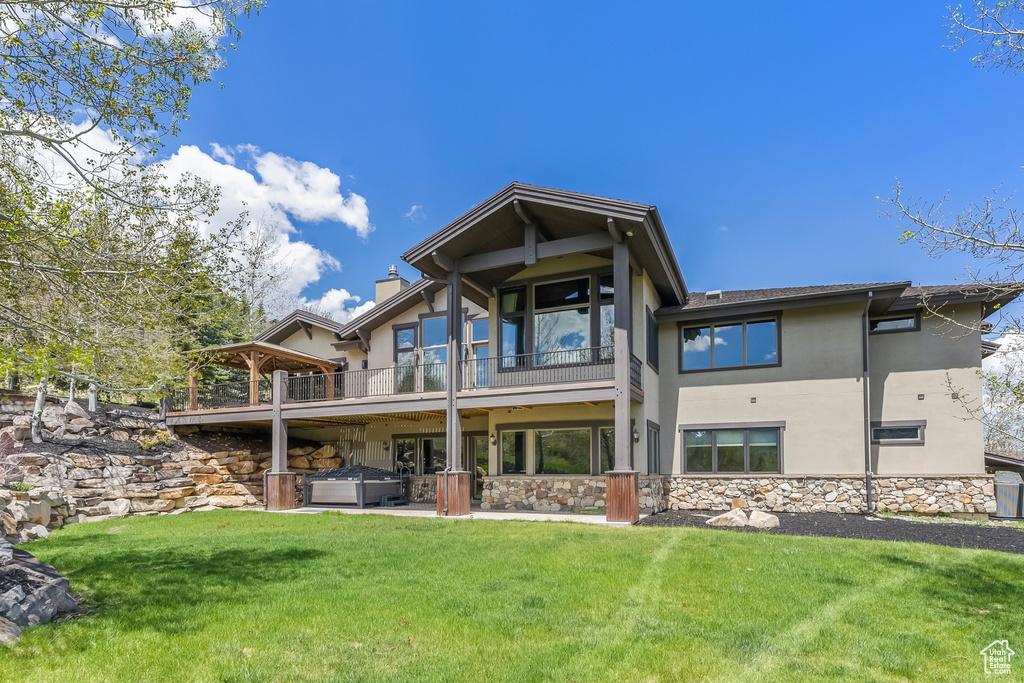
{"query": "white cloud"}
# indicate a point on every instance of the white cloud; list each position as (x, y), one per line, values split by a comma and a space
(723, 228)
(415, 213)
(277, 190)
(340, 304)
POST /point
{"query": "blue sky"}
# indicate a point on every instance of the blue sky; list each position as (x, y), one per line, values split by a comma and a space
(763, 132)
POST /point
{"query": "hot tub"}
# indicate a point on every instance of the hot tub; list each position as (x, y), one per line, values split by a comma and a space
(357, 485)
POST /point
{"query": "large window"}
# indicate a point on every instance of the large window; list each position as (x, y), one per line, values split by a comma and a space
(653, 448)
(513, 452)
(435, 353)
(652, 340)
(562, 451)
(729, 345)
(557, 322)
(732, 451)
(405, 359)
(561, 325)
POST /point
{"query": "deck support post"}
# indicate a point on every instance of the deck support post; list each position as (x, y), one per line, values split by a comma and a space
(458, 481)
(193, 388)
(254, 378)
(623, 500)
(279, 482)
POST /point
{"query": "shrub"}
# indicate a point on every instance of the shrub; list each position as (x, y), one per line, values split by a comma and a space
(161, 438)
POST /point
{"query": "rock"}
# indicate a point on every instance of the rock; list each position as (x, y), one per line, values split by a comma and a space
(326, 464)
(151, 505)
(207, 478)
(299, 463)
(120, 435)
(38, 512)
(134, 423)
(734, 517)
(323, 452)
(89, 461)
(738, 503)
(33, 530)
(227, 501)
(243, 467)
(39, 592)
(762, 520)
(9, 631)
(73, 410)
(7, 524)
(32, 459)
(174, 494)
(305, 450)
(53, 418)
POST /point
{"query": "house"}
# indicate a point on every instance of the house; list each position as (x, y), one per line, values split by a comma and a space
(588, 375)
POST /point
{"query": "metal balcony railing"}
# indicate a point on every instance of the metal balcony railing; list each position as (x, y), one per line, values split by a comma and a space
(224, 395)
(530, 369)
(636, 372)
(390, 381)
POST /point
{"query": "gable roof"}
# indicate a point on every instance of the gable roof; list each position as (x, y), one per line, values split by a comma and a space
(292, 323)
(498, 223)
(412, 295)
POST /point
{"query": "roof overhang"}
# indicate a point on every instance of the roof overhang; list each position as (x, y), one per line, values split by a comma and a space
(269, 357)
(357, 332)
(573, 221)
(881, 299)
(992, 297)
(293, 322)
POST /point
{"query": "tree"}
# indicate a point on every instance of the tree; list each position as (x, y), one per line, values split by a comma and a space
(101, 258)
(988, 230)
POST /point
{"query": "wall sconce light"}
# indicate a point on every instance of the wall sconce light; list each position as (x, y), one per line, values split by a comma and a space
(494, 439)
(636, 435)
(387, 446)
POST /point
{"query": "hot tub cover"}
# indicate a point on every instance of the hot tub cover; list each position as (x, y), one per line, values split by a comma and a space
(352, 473)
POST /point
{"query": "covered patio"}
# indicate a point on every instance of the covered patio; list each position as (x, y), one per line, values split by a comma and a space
(260, 359)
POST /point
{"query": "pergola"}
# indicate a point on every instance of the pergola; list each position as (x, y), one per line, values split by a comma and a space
(259, 358)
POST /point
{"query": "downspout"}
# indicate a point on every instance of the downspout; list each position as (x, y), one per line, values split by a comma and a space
(866, 379)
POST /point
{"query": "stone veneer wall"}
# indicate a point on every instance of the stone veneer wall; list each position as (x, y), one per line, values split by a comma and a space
(926, 495)
(565, 493)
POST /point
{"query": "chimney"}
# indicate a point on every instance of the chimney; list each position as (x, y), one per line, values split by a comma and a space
(390, 286)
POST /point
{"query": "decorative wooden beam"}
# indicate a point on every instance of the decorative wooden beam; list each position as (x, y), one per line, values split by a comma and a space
(443, 260)
(307, 328)
(428, 296)
(614, 231)
(364, 337)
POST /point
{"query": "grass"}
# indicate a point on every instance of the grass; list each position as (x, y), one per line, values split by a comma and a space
(250, 596)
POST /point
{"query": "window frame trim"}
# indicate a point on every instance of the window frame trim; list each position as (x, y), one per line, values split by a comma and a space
(745, 427)
(531, 465)
(652, 323)
(726, 321)
(921, 425)
(916, 315)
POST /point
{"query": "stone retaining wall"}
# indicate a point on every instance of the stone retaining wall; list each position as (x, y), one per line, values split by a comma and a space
(652, 494)
(926, 495)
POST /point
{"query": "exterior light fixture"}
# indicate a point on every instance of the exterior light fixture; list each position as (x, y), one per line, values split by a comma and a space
(494, 439)
(636, 435)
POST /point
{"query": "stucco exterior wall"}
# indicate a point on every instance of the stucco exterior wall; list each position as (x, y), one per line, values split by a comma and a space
(816, 391)
(909, 365)
(319, 345)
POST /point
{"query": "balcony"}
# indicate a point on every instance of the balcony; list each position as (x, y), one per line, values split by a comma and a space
(577, 366)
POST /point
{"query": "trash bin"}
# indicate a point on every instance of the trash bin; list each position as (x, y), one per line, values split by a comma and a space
(1009, 495)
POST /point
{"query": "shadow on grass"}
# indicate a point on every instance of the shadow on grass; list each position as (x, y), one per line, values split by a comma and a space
(970, 585)
(164, 590)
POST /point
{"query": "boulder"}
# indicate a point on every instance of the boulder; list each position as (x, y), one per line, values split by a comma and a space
(304, 450)
(227, 501)
(327, 451)
(53, 418)
(33, 530)
(89, 461)
(243, 467)
(174, 494)
(762, 520)
(326, 464)
(9, 631)
(74, 410)
(207, 478)
(134, 423)
(39, 592)
(151, 505)
(38, 511)
(299, 463)
(734, 517)
(120, 435)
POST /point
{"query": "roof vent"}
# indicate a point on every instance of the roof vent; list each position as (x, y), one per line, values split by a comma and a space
(713, 294)
(393, 272)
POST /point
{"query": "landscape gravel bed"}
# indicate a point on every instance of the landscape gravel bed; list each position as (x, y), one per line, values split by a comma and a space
(953, 533)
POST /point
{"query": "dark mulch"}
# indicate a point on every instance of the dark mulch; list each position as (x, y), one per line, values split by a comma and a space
(956, 535)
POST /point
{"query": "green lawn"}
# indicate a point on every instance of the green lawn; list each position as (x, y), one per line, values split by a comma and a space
(250, 596)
